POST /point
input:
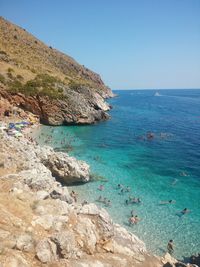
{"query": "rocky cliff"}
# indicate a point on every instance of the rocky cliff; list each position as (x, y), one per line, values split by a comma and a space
(42, 80)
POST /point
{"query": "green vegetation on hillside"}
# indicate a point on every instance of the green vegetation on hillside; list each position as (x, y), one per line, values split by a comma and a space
(42, 85)
(27, 57)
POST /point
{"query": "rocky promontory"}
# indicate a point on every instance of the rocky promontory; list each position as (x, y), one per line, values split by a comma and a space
(48, 83)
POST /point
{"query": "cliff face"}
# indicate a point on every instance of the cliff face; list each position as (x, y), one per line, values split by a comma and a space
(47, 82)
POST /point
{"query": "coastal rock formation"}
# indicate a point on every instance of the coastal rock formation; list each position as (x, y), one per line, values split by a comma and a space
(67, 169)
(46, 82)
(195, 259)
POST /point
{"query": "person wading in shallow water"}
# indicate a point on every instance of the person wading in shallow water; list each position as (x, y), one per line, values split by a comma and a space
(170, 246)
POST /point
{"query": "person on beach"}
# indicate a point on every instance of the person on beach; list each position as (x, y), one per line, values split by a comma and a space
(74, 195)
(170, 246)
(84, 203)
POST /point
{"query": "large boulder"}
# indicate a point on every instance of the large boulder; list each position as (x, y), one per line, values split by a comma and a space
(195, 259)
(67, 169)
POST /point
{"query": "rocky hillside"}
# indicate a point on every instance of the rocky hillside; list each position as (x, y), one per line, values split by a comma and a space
(40, 79)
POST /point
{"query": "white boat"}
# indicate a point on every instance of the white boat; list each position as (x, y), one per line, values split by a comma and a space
(157, 94)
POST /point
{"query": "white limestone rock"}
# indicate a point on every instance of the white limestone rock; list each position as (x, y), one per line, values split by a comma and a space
(87, 235)
(66, 168)
(46, 251)
(25, 242)
(66, 244)
(50, 221)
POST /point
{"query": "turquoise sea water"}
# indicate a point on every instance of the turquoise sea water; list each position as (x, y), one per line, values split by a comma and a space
(164, 167)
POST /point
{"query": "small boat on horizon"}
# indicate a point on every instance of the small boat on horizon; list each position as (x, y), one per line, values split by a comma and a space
(157, 94)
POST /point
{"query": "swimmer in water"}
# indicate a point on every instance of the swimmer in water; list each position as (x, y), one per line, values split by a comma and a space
(128, 189)
(104, 200)
(133, 220)
(183, 174)
(184, 211)
(174, 181)
(126, 201)
(119, 186)
(101, 187)
(100, 199)
(167, 202)
(132, 213)
(170, 246)
(108, 203)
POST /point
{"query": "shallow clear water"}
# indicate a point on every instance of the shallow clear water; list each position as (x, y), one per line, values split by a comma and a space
(164, 167)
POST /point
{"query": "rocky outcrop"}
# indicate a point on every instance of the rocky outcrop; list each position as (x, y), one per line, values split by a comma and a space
(195, 259)
(67, 169)
(169, 261)
(75, 108)
(43, 167)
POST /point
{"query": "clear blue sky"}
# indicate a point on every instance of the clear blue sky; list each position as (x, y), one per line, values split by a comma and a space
(130, 43)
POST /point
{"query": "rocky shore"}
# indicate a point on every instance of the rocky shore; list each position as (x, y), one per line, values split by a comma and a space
(41, 224)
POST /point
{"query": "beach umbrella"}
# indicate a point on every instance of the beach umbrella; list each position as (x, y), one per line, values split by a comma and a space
(11, 125)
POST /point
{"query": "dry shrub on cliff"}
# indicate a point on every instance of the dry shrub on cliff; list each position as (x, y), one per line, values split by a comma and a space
(2, 79)
(42, 85)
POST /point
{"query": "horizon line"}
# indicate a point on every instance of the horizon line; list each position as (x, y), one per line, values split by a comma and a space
(156, 89)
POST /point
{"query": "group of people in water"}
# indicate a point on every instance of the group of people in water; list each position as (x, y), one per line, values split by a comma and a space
(104, 200)
(134, 219)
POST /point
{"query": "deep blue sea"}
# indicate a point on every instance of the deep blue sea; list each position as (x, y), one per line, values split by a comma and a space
(151, 144)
